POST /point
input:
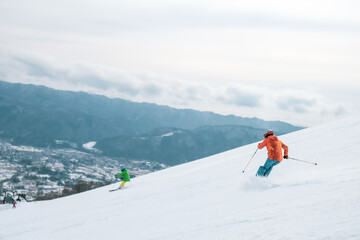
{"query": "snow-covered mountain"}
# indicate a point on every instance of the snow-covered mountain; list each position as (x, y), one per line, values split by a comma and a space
(212, 199)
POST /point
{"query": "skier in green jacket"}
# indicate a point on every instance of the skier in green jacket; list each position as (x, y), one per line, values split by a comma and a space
(124, 176)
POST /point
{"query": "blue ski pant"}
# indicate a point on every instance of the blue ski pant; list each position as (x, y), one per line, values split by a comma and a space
(265, 170)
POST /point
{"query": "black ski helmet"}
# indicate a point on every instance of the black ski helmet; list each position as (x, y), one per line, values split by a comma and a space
(268, 133)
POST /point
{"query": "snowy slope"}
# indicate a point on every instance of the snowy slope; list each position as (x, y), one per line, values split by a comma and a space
(212, 199)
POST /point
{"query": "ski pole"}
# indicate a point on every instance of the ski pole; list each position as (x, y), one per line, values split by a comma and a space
(250, 160)
(302, 161)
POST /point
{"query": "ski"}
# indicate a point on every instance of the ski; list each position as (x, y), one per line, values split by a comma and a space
(112, 190)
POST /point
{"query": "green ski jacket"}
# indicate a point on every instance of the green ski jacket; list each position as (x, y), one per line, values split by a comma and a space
(124, 175)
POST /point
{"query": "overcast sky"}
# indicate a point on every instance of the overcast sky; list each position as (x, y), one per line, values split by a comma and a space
(294, 61)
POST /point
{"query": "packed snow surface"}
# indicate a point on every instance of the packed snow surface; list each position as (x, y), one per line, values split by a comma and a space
(212, 199)
(89, 145)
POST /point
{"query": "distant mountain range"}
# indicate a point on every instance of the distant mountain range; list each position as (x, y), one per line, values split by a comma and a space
(44, 117)
(172, 146)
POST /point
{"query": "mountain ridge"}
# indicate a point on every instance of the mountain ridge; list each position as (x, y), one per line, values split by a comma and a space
(31, 112)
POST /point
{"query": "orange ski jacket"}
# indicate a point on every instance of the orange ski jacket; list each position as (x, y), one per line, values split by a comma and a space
(274, 147)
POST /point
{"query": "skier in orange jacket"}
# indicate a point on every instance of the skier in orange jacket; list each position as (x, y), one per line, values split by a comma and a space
(274, 147)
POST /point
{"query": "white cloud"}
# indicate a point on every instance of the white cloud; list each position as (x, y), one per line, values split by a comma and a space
(297, 101)
(276, 60)
(228, 98)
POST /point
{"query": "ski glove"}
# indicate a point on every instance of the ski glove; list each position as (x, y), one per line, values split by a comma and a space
(286, 157)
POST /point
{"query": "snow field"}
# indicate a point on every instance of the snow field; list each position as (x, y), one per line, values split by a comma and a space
(212, 199)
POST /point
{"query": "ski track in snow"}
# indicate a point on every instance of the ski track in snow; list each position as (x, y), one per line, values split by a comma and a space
(212, 199)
